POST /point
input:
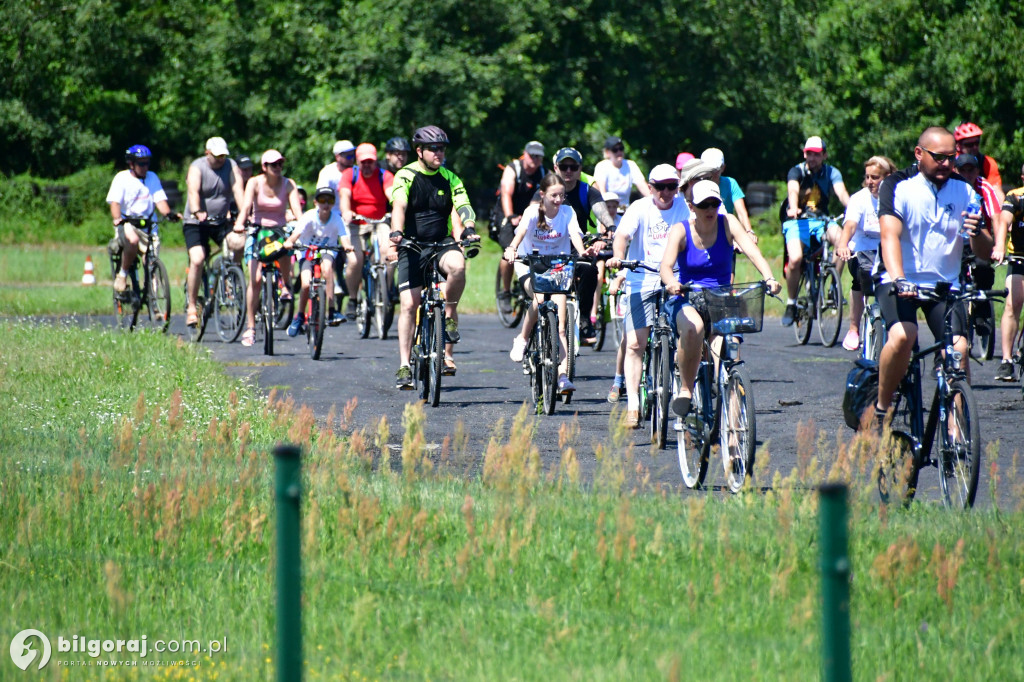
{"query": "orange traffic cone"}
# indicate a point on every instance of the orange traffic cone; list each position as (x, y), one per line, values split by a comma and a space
(89, 276)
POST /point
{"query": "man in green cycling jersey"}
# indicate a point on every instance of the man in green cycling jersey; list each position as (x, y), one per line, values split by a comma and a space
(427, 199)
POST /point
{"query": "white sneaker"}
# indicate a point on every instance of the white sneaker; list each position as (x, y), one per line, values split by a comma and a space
(518, 349)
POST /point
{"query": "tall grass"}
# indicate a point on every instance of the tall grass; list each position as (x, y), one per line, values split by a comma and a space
(136, 490)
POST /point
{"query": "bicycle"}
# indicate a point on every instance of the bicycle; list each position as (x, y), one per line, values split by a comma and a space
(154, 294)
(981, 318)
(375, 304)
(821, 296)
(271, 307)
(659, 375)
(221, 291)
(722, 403)
(428, 344)
(909, 441)
(520, 301)
(316, 304)
(549, 275)
(607, 308)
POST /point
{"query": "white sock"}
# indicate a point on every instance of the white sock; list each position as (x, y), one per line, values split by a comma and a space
(790, 301)
(633, 401)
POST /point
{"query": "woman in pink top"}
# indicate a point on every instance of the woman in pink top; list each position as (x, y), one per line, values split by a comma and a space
(268, 197)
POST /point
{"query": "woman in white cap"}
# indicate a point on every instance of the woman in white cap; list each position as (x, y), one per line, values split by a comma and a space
(699, 253)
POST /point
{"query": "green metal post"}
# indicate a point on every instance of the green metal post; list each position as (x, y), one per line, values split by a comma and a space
(287, 493)
(835, 584)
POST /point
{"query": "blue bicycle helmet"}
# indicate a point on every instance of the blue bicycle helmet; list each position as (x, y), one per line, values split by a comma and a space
(136, 152)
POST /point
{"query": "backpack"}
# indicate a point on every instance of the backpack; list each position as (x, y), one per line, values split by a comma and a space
(861, 391)
(497, 215)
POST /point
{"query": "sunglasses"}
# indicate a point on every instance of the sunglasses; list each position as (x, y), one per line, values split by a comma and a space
(568, 167)
(436, 148)
(618, 148)
(324, 200)
(141, 163)
(274, 164)
(221, 157)
(662, 186)
(708, 203)
(940, 158)
(347, 155)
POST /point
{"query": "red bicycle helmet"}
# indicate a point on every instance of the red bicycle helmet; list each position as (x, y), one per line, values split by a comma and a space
(966, 130)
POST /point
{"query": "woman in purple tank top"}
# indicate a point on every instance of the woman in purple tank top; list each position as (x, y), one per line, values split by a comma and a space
(702, 249)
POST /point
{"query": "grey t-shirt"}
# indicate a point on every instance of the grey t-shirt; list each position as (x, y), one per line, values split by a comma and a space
(215, 196)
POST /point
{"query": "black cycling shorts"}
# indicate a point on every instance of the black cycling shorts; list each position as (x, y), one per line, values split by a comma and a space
(895, 309)
(1014, 268)
(410, 263)
(860, 272)
(506, 233)
(198, 234)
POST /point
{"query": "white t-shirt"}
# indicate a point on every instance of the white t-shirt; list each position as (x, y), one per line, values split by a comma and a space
(136, 197)
(619, 180)
(647, 227)
(313, 232)
(551, 241)
(329, 176)
(863, 208)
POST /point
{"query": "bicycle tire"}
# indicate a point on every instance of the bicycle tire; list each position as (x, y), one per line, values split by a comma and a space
(532, 366)
(285, 309)
(693, 433)
(549, 361)
(571, 344)
(381, 305)
(269, 309)
(600, 326)
(803, 322)
(317, 321)
(662, 364)
(364, 310)
(738, 428)
(126, 312)
(157, 300)
(228, 306)
(829, 306)
(203, 309)
(518, 308)
(960, 457)
(618, 327)
(875, 338)
(982, 340)
(898, 468)
(436, 356)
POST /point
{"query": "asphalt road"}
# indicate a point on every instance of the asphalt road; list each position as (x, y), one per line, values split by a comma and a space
(794, 387)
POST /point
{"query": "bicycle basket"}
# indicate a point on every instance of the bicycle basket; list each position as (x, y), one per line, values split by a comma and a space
(739, 308)
(264, 239)
(555, 276)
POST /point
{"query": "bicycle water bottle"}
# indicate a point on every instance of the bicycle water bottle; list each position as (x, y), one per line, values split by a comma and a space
(973, 208)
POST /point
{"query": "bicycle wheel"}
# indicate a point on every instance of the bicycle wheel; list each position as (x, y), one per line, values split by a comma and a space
(898, 469)
(549, 360)
(572, 326)
(285, 309)
(873, 334)
(693, 433)
(317, 322)
(983, 327)
(383, 311)
(436, 356)
(126, 307)
(804, 311)
(532, 366)
(600, 326)
(661, 364)
(829, 306)
(228, 305)
(158, 296)
(960, 447)
(270, 310)
(203, 308)
(364, 309)
(518, 308)
(738, 429)
(616, 314)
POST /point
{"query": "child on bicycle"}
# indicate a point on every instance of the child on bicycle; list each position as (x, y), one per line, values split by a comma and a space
(549, 228)
(319, 226)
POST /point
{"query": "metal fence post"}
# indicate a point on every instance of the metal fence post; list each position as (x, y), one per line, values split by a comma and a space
(835, 584)
(287, 493)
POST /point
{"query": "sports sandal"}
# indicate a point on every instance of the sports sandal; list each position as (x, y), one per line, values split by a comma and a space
(248, 337)
(449, 367)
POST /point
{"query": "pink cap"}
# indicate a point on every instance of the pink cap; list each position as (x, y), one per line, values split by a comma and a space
(270, 156)
(682, 158)
(365, 152)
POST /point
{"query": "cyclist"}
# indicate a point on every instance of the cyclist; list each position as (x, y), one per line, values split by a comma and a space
(550, 228)
(644, 230)
(698, 252)
(984, 274)
(319, 226)
(618, 174)
(618, 389)
(267, 200)
(968, 141)
(426, 198)
(363, 190)
(682, 158)
(920, 245)
(344, 158)
(519, 182)
(809, 186)
(1011, 224)
(134, 192)
(214, 185)
(583, 197)
(244, 164)
(732, 195)
(859, 242)
(396, 154)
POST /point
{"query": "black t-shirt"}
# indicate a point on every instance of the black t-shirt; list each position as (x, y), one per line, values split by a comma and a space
(525, 187)
(582, 199)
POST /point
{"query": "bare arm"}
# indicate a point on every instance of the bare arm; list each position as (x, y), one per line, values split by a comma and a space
(507, 187)
(193, 180)
(293, 200)
(793, 194)
(237, 190)
(676, 239)
(604, 216)
(891, 228)
(740, 206)
(841, 193)
(245, 208)
(345, 203)
(1001, 228)
(741, 239)
(843, 247)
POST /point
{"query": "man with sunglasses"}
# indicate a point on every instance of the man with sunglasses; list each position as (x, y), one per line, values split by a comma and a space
(809, 187)
(921, 211)
(519, 183)
(428, 199)
(214, 184)
(134, 192)
(344, 158)
(618, 174)
(583, 196)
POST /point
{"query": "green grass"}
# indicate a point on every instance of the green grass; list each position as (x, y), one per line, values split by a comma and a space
(136, 489)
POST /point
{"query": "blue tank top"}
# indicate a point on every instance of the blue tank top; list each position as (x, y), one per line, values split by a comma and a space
(706, 268)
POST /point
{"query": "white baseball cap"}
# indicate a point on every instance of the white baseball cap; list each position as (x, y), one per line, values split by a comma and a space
(814, 144)
(609, 196)
(217, 146)
(663, 173)
(713, 157)
(342, 146)
(706, 189)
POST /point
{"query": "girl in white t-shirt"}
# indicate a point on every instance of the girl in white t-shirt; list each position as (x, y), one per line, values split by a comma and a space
(550, 228)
